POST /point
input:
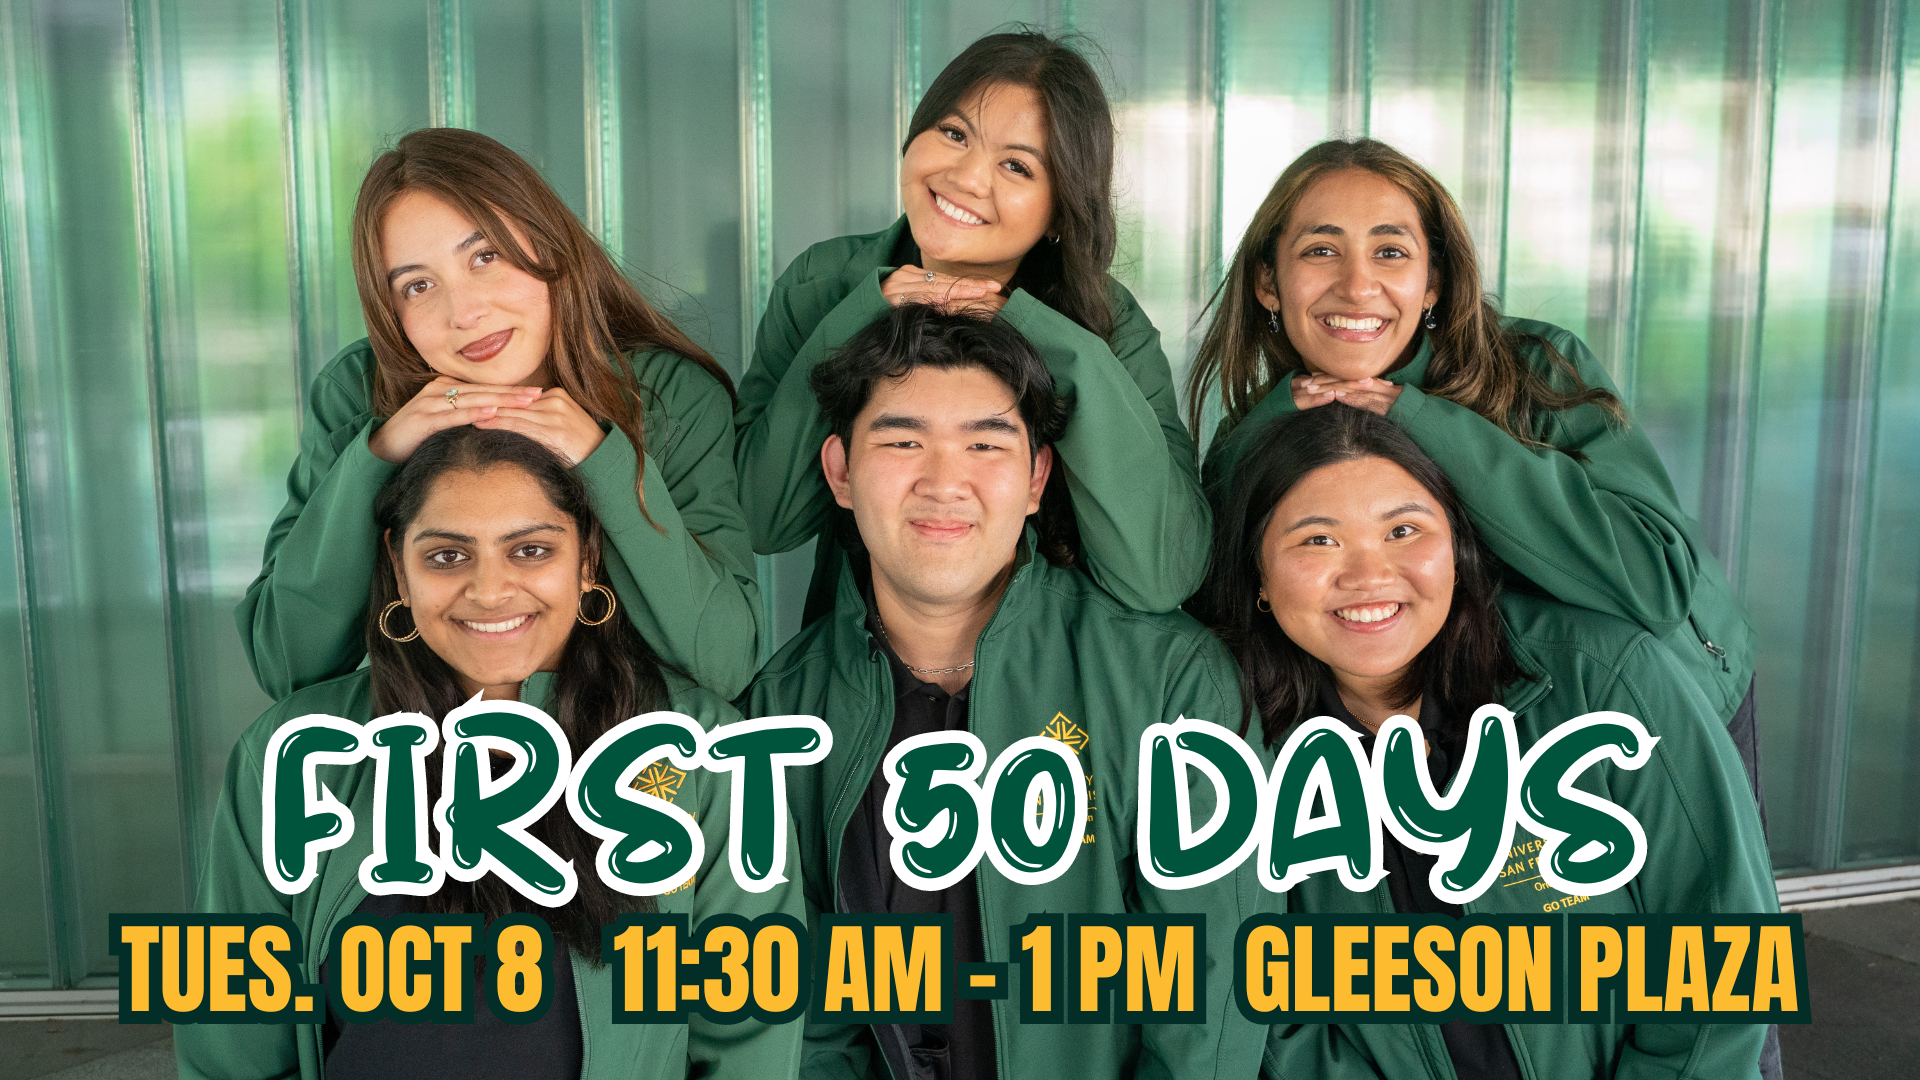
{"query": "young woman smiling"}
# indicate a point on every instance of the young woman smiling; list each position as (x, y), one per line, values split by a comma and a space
(1348, 582)
(488, 303)
(1356, 286)
(1006, 176)
(489, 580)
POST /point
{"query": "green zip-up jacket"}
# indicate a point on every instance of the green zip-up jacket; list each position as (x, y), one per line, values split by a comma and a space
(233, 881)
(694, 599)
(1606, 533)
(1058, 658)
(1705, 856)
(1144, 525)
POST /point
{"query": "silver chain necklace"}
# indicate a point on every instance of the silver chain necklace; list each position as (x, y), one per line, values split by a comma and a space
(916, 670)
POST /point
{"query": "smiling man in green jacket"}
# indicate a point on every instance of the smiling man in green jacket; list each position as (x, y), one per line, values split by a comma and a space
(955, 615)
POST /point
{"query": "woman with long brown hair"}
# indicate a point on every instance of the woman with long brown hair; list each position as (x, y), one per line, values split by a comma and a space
(1006, 175)
(487, 302)
(1356, 286)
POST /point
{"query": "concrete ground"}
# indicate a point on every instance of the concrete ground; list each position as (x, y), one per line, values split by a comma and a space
(1865, 974)
(85, 1050)
(1864, 966)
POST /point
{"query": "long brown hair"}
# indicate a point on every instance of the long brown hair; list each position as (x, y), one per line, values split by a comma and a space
(1476, 361)
(598, 316)
(1070, 275)
(606, 674)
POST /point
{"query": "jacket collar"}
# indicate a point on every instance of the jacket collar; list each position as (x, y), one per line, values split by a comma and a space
(850, 606)
(1415, 373)
(537, 691)
(876, 252)
(1524, 696)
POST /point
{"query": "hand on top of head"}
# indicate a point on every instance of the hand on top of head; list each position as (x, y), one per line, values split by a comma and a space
(1374, 395)
(914, 285)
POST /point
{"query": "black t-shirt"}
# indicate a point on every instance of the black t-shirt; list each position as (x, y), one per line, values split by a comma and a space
(1479, 1051)
(962, 1050)
(487, 1049)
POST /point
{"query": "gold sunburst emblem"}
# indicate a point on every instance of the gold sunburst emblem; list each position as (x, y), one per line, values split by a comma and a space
(660, 780)
(1064, 730)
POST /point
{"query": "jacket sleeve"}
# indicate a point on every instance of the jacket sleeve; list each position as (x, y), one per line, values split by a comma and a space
(777, 420)
(302, 619)
(1204, 686)
(1603, 531)
(1707, 856)
(1129, 460)
(693, 597)
(748, 1049)
(232, 881)
(1231, 438)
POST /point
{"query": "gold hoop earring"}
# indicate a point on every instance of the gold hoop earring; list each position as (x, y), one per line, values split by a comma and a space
(613, 605)
(1262, 604)
(388, 634)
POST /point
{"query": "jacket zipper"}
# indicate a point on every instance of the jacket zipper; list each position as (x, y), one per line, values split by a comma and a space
(837, 838)
(839, 896)
(1719, 652)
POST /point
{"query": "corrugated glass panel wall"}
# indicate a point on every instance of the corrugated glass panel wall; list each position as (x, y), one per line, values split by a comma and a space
(1726, 210)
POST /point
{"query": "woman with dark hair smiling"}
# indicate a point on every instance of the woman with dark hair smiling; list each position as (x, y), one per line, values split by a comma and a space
(1348, 582)
(489, 583)
(1356, 286)
(1006, 176)
(487, 302)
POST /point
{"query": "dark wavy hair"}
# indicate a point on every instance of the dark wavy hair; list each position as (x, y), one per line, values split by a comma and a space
(1468, 662)
(920, 335)
(607, 673)
(1069, 276)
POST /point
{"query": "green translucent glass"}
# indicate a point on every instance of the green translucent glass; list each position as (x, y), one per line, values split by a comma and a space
(231, 364)
(27, 946)
(1276, 65)
(1780, 557)
(948, 26)
(528, 89)
(1428, 84)
(1883, 799)
(680, 150)
(177, 182)
(835, 166)
(1685, 200)
(23, 916)
(367, 62)
(81, 406)
(1556, 131)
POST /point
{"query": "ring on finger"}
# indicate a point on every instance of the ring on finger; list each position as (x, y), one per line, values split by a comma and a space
(453, 397)
(930, 275)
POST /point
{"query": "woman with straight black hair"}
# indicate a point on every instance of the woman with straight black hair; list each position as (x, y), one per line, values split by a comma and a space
(1006, 175)
(1349, 583)
(489, 585)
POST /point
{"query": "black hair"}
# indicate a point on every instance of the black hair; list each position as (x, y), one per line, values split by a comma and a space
(607, 673)
(1466, 665)
(921, 335)
(1069, 276)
